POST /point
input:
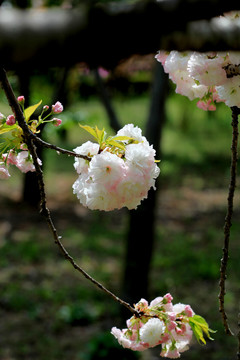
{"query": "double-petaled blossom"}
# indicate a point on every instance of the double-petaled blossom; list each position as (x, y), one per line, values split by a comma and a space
(21, 159)
(208, 77)
(25, 162)
(204, 77)
(110, 179)
(159, 323)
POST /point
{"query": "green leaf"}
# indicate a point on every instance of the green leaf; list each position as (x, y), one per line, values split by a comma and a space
(115, 143)
(122, 138)
(30, 110)
(90, 130)
(100, 135)
(200, 327)
(6, 128)
(198, 333)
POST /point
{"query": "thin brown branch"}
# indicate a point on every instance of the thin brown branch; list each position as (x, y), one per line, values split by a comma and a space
(228, 219)
(57, 148)
(43, 207)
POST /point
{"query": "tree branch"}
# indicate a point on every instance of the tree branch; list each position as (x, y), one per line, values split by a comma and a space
(57, 148)
(64, 37)
(228, 219)
(43, 206)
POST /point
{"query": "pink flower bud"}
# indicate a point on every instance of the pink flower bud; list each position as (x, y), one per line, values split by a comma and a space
(10, 120)
(181, 330)
(171, 325)
(56, 122)
(168, 297)
(165, 337)
(57, 108)
(21, 99)
(189, 311)
(45, 108)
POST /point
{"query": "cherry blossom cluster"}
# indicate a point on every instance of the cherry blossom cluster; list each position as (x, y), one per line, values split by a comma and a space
(209, 77)
(13, 150)
(21, 159)
(120, 170)
(162, 323)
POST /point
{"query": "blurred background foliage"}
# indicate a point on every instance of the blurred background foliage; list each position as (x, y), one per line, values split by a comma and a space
(47, 310)
(39, 291)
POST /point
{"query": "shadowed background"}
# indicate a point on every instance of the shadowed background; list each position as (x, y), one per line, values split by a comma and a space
(172, 243)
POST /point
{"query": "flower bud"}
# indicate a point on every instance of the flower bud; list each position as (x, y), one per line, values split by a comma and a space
(10, 120)
(21, 99)
(168, 297)
(189, 311)
(57, 108)
(56, 122)
(45, 108)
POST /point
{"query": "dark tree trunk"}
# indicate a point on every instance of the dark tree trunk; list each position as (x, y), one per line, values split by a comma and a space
(141, 233)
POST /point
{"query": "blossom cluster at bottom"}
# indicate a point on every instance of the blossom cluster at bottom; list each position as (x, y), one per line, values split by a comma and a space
(162, 323)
